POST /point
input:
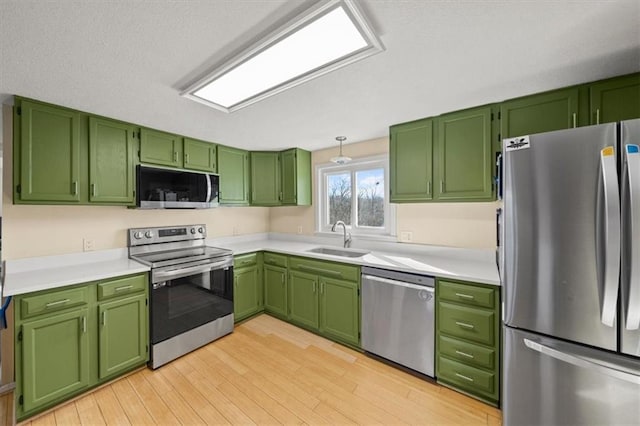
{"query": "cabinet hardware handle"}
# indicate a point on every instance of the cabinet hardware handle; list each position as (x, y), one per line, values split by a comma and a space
(321, 287)
(597, 115)
(464, 354)
(465, 325)
(124, 287)
(59, 302)
(442, 187)
(282, 278)
(175, 156)
(462, 376)
(314, 287)
(465, 296)
(84, 324)
(428, 187)
(574, 117)
(93, 189)
(186, 158)
(104, 317)
(75, 187)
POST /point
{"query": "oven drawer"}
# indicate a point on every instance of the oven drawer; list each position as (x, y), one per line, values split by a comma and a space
(54, 301)
(122, 286)
(245, 260)
(275, 259)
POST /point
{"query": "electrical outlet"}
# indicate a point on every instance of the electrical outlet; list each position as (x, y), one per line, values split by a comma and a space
(406, 236)
(88, 244)
(299, 229)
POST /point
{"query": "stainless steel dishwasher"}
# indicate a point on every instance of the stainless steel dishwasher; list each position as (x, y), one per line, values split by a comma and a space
(398, 316)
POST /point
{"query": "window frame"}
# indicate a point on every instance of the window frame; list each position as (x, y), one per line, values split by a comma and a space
(356, 165)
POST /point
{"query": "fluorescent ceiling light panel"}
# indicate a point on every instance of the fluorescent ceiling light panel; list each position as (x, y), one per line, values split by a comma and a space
(327, 37)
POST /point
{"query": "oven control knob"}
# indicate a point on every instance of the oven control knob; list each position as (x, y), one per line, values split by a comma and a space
(193, 230)
(137, 235)
(148, 234)
(201, 230)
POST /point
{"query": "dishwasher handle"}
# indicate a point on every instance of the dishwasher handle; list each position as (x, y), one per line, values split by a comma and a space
(398, 283)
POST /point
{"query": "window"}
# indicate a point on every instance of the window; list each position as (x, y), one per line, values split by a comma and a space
(355, 193)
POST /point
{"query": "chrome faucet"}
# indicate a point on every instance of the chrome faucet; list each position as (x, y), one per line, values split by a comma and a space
(347, 235)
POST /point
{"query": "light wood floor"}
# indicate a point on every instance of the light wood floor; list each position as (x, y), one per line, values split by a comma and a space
(269, 372)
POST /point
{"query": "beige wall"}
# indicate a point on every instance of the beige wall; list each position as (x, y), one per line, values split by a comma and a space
(49, 230)
(469, 225)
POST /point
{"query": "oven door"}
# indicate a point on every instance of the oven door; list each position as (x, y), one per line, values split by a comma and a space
(188, 296)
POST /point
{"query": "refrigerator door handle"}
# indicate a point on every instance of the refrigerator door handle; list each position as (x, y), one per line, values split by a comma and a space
(612, 235)
(580, 361)
(632, 157)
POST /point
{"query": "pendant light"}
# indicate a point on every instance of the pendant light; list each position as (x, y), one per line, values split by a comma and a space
(340, 159)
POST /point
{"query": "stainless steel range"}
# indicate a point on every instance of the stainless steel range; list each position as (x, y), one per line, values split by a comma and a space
(191, 288)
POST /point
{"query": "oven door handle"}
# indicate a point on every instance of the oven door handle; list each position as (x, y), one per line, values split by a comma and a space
(185, 272)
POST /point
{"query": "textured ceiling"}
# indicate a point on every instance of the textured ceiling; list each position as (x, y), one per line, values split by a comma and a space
(130, 59)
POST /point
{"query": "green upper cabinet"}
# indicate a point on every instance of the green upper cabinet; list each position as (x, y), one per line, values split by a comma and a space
(615, 100)
(295, 177)
(160, 148)
(463, 150)
(339, 310)
(233, 168)
(539, 113)
(265, 178)
(47, 153)
(200, 155)
(410, 160)
(111, 157)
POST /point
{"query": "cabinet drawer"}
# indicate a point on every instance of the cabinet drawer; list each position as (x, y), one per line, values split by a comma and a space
(275, 259)
(245, 260)
(467, 294)
(467, 378)
(467, 353)
(328, 269)
(472, 324)
(122, 286)
(54, 301)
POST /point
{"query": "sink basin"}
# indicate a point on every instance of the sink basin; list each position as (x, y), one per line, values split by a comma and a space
(336, 251)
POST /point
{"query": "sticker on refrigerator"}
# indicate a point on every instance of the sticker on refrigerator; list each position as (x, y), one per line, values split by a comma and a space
(514, 144)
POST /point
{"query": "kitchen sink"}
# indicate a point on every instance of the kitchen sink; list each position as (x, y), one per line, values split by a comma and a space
(336, 251)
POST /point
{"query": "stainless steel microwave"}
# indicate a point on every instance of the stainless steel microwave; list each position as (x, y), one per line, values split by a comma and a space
(160, 188)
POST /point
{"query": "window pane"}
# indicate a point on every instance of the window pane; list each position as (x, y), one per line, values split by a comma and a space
(339, 193)
(370, 187)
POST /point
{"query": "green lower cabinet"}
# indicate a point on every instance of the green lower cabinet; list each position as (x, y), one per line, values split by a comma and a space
(275, 290)
(303, 299)
(246, 293)
(468, 338)
(339, 310)
(123, 335)
(55, 358)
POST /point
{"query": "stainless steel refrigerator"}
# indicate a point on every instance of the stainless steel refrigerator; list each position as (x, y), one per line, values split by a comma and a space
(570, 269)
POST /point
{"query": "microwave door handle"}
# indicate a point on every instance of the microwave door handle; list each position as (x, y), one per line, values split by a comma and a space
(208, 199)
(612, 235)
(632, 203)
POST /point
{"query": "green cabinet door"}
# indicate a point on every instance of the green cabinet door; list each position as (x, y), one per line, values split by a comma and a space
(464, 167)
(339, 310)
(615, 100)
(111, 147)
(275, 290)
(160, 148)
(49, 152)
(247, 294)
(233, 168)
(540, 113)
(123, 335)
(199, 155)
(410, 161)
(295, 177)
(265, 179)
(55, 358)
(303, 299)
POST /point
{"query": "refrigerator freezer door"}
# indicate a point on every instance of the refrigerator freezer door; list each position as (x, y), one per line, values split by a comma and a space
(630, 276)
(550, 382)
(554, 226)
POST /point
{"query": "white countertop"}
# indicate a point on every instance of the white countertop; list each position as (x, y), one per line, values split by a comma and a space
(445, 262)
(47, 272)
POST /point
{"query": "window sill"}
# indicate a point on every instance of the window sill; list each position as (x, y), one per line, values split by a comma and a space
(364, 237)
